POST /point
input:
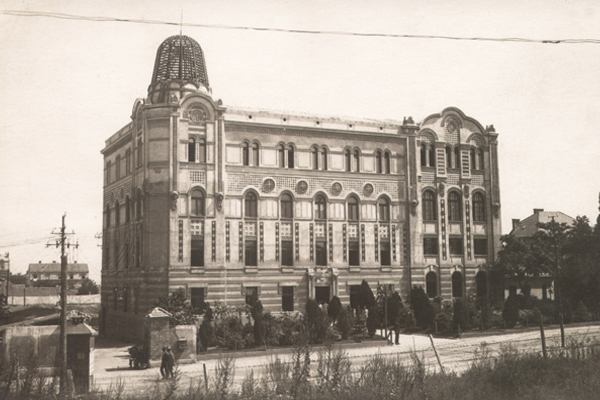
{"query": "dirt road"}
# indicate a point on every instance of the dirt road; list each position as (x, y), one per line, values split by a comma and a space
(112, 365)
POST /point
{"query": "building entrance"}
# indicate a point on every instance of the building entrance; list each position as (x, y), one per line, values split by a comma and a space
(322, 294)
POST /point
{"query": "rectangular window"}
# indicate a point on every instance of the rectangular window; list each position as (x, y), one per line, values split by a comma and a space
(353, 253)
(386, 258)
(251, 291)
(322, 294)
(287, 298)
(287, 253)
(197, 255)
(456, 246)
(321, 256)
(430, 246)
(354, 296)
(480, 246)
(197, 298)
(250, 251)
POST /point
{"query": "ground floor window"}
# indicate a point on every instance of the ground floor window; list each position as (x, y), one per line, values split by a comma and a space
(353, 253)
(480, 246)
(431, 284)
(197, 299)
(250, 250)
(354, 296)
(287, 253)
(457, 284)
(321, 256)
(384, 250)
(287, 298)
(250, 293)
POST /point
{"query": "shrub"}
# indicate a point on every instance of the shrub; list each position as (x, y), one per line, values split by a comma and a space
(373, 321)
(205, 335)
(366, 298)
(394, 310)
(317, 322)
(423, 310)
(180, 308)
(345, 322)
(461, 318)
(444, 315)
(581, 313)
(335, 306)
(510, 313)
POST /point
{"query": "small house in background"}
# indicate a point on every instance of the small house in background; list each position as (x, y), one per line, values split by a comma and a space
(48, 274)
(4, 273)
(541, 286)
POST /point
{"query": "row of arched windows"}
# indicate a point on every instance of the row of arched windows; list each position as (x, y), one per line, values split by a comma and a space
(128, 205)
(452, 157)
(431, 284)
(286, 203)
(454, 206)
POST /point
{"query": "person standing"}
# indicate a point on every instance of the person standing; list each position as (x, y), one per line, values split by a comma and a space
(170, 362)
(163, 363)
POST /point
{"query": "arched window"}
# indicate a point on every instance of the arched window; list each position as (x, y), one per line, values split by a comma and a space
(454, 207)
(202, 151)
(255, 155)
(140, 152)
(315, 157)
(481, 281)
(448, 157)
(117, 214)
(324, 158)
(387, 164)
(320, 207)
(192, 150)
(250, 205)
(480, 164)
(478, 207)
(281, 154)
(287, 206)
(378, 162)
(353, 214)
(127, 210)
(432, 156)
(429, 208)
(245, 153)
(457, 284)
(431, 284)
(197, 203)
(357, 160)
(138, 207)
(348, 159)
(291, 157)
(423, 155)
(473, 160)
(456, 157)
(384, 209)
(107, 215)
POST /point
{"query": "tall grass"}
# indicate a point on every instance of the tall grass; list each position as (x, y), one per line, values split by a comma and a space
(570, 373)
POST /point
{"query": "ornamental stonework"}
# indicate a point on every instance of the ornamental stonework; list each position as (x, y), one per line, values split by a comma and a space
(368, 190)
(336, 189)
(301, 187)
(268, 185)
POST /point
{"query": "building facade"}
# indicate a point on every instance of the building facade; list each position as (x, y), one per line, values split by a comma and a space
(48, 274)
(226, 201)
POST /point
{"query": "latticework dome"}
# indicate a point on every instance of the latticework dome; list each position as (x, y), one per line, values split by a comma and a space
(180, 57)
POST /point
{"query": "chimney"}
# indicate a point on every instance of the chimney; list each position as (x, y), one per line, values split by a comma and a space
(40, 261)
(537, 210)
(515, 223)
(53, 262)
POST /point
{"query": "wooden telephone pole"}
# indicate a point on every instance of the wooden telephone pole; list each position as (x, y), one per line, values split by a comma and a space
(62, 242)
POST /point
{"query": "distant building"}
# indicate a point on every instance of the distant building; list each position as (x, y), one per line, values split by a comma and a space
(48, 274)
(542, 286)
(4, 273)
(226, 202)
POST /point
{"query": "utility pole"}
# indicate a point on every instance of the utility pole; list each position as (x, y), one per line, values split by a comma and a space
(62, 242)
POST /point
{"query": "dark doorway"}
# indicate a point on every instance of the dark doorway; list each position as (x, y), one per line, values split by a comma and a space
(322, 294)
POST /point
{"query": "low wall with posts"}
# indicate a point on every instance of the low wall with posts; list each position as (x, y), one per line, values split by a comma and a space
(24, 300)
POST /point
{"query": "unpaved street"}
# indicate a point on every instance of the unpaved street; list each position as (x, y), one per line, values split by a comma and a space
(111, 366)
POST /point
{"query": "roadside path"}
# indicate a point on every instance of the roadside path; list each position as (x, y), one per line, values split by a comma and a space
(112, 363)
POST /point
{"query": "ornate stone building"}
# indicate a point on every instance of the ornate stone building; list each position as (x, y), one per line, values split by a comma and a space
(225, 202)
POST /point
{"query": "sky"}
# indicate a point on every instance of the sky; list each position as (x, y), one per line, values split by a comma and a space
(67, 85)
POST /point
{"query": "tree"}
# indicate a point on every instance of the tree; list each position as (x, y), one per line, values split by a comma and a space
(517, 260)
(205, 332)
(345, 322)
(510, 313)
(373, 321)
(317, 322)
(461, 317)
(424, 312)
(88, 286)
(19, 279)
(335, 306)
(366, 298)
(180, 308)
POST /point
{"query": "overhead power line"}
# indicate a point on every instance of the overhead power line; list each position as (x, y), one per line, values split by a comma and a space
(20, 13)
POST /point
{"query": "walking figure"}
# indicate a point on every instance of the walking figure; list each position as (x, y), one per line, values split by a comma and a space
(170, 362)
(163, 363)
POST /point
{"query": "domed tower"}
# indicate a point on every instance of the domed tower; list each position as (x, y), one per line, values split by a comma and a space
(179, 68)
